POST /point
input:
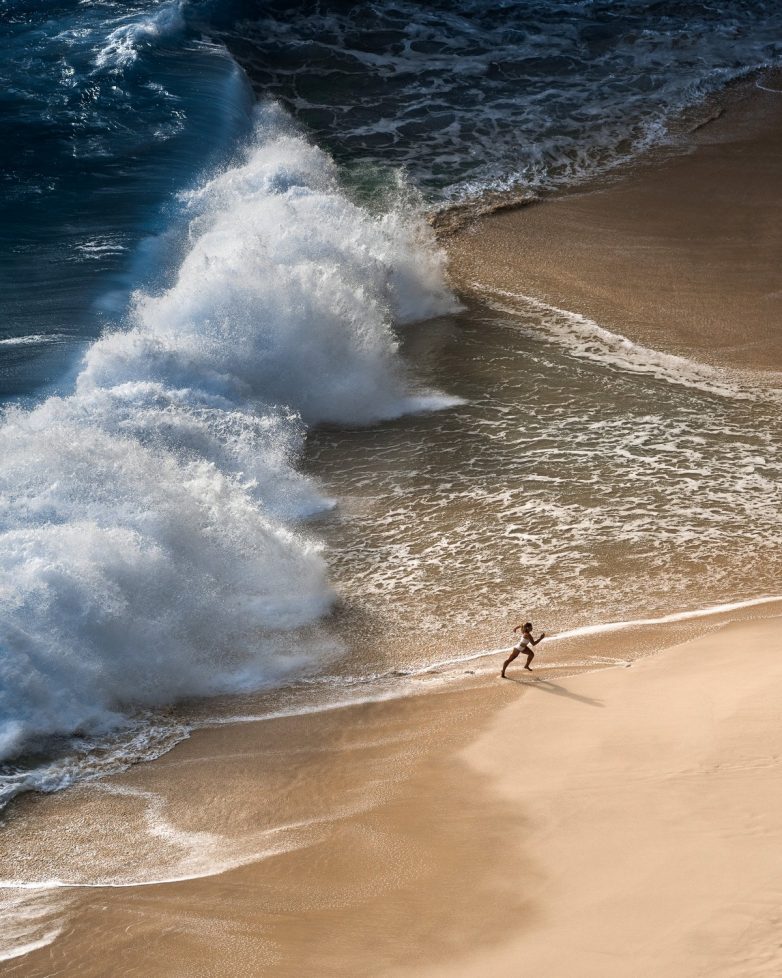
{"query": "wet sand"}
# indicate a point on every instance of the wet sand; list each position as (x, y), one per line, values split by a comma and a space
(681, 255)
(616, 823)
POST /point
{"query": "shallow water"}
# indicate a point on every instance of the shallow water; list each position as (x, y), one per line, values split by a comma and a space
(571, 486)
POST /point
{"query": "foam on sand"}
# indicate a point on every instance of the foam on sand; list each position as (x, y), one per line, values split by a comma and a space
(584, 338)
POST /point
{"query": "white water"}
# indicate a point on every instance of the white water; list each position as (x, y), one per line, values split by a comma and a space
(584, 338)
(123, 43)
(33, 339)
(149, 547)
(32, 918)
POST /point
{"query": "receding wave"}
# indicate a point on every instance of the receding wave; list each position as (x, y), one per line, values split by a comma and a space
(584, 338)
(150, 547)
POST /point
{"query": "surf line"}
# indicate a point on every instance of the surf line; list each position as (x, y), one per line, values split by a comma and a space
(20, 950)
(584, 338)
(617, 626)
(207, 871)
(401, 690)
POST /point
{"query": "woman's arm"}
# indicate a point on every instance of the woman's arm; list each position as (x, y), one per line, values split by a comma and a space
(539, 639)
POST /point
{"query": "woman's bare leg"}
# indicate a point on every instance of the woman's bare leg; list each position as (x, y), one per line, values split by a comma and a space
(530, 657)
(507, 662)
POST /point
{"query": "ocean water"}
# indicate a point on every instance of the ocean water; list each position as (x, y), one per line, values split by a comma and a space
(474, 96)
(584, 478)
(251, 441)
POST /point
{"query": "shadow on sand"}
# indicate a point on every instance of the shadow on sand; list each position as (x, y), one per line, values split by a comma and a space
(548, 687)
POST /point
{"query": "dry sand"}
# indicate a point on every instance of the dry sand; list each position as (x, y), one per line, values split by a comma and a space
(649, 806)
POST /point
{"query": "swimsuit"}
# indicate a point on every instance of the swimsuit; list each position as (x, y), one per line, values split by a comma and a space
(523, 644)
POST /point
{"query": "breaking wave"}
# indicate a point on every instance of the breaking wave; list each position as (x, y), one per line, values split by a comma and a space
(151, 547)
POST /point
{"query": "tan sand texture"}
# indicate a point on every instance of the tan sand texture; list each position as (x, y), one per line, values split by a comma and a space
(684, 255)
(625, 822)
(649, 806)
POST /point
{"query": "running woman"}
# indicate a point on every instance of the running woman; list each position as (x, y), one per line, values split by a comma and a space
(525, 644)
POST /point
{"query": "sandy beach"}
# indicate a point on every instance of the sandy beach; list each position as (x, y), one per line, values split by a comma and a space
(613, 823)
(650, 816)
(620, 823)
(681, 255)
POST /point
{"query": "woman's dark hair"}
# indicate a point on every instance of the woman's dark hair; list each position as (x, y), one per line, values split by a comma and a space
(527, 626)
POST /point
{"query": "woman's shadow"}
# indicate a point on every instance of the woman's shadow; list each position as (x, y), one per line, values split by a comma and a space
(548, 687)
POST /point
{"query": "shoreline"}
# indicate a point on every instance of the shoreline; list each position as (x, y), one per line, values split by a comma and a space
(441, 675)
(415, 794)
(676, 251)
(425, 834)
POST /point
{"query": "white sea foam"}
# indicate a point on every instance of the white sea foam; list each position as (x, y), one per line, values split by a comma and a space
(144, 738)
(148, 550)
(123, 43)
(98, 248)
(584, 338)
(162, 852)
(32, 919)
(32, 339)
